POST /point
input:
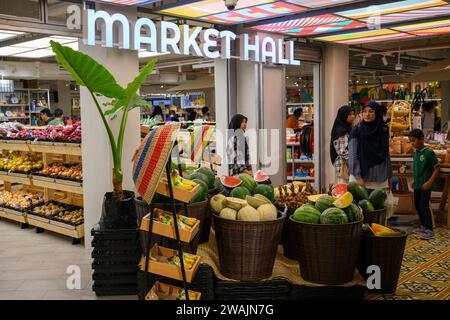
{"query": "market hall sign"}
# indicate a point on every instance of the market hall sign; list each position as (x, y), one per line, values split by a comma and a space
(166, 36)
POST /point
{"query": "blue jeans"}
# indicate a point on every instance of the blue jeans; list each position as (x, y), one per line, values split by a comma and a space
(422, 204)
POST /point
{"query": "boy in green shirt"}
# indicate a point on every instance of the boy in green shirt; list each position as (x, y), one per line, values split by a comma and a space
(426, 170)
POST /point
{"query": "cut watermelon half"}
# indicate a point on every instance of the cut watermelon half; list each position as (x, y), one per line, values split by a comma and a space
(230, 181)
(260, 176)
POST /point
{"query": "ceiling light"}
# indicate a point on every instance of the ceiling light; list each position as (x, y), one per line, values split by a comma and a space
(363, 62)
(148, 54)
(41, 53)
(384, 59)
(398, 66)
(8, 51)
(366, 82)
(44, 42)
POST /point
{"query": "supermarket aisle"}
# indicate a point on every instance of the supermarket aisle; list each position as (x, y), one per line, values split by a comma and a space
(33, 266)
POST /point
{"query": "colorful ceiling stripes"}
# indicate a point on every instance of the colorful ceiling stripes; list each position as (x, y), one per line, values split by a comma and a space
(311, 25)
(274, 9)
(130, 2)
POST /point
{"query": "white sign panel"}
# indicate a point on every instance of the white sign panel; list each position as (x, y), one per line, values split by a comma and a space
(165, 36)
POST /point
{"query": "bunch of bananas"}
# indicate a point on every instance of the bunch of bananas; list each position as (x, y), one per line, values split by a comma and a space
(183, 221)
(188, 260)
(180, 182)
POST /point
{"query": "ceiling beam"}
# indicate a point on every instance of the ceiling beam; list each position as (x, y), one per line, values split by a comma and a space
(21, 38)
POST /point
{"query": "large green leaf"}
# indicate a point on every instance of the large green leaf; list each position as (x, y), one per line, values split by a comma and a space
(132, 100)
(87, 72)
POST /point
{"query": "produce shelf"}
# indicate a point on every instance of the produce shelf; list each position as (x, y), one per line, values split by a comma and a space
(15, 217)
(290, 178)
(178, 193)
(44, 184)
(71, 231)
(299, 161)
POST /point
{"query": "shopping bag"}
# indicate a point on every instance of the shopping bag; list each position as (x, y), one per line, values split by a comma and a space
(391, 204)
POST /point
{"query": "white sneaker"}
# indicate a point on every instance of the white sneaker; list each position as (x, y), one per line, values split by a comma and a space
(427, 235)
(419, 230)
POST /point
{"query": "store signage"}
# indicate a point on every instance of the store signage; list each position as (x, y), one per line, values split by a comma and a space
(165, 36)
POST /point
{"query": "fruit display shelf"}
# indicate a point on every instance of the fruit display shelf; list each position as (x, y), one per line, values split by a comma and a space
(42, 147)
(50, 183)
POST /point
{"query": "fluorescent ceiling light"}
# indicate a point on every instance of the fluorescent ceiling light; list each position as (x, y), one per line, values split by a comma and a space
(44, 42)
(8, 51)
(148, 54)
(41, 53)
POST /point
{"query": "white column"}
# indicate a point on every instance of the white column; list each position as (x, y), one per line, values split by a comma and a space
(336, 62)
(96, 152)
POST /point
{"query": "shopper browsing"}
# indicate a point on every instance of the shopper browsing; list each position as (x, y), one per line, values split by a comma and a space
(157, 114)
(426, 170)
(58, 119)
(292, 121)
(237, 148)
(45, 116)
(339, 142)
(369, 161)
(172, 116)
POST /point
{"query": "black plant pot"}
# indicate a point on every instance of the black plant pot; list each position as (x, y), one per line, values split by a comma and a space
(118, 215)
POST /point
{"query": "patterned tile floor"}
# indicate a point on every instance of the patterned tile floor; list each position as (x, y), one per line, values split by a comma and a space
(425, 273)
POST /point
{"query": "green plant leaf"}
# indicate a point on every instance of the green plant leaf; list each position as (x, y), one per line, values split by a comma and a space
(87, 72)
(134, 86)
(135, 102)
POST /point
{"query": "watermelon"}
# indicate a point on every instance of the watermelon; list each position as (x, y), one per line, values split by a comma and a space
(240, 192)
(333, 216)
(202, 192)
(324, 203)
(247, 181)
(378, 198)
(265, 190)
(260, 176)
(366, 205)
(353, 213)
(209, 174)
(359, 192)
(199, 176)
(307, 214)
(230, 181)
(220, 188)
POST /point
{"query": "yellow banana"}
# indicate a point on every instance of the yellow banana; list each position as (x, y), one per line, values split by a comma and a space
(189, 182)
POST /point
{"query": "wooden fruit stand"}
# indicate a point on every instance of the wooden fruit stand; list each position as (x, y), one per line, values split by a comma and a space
(65, 191)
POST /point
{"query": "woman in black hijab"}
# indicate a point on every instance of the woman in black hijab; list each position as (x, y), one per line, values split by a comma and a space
(237, 148)
(339, 142)
(369, 160)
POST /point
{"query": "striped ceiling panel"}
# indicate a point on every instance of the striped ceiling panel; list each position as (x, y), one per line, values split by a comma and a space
(423, 26)
(320, 3)
(431, 32)
(413, 14)
(130, 2)
(254, 13)
(299, 23)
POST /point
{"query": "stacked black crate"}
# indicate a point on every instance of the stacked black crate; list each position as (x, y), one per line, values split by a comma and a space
(116, 255)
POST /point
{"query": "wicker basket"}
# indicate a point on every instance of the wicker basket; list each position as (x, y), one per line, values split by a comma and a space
(377, 216)
(247, 250)
(327, 253)
(385, 252)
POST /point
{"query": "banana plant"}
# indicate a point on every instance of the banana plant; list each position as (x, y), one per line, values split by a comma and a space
(100, 83)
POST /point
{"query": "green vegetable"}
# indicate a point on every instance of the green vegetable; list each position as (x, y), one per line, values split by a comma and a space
(333, 216)
(359, 192)
(366, 205)
(265, 190)
(324, 202)
(353, 213)
(247, 181)
(378, 198)
(240, 192)
(307, 214)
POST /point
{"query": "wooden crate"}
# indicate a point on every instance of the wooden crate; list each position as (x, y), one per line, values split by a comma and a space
(179, 194)
(167, 230)
(162, 291)
(165, 269)
(12, 216)
(61, 228)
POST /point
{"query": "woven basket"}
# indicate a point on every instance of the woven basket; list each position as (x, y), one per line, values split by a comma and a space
(247, 249)
(385, 252)
(377, 216)
(327, 253)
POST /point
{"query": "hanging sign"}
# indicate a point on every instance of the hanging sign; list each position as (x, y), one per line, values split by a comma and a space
(168, 37)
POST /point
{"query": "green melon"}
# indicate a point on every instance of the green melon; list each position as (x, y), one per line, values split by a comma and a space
(359, 192)
(209, 174)
(247, 181)
(353, 213)
(378, 198)
(202, 192)
(200, 176)
(366, 205)
(265, 190)
(221, 188)
(240, 192)
(324, 202)
(307, 214)
(333, 216)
